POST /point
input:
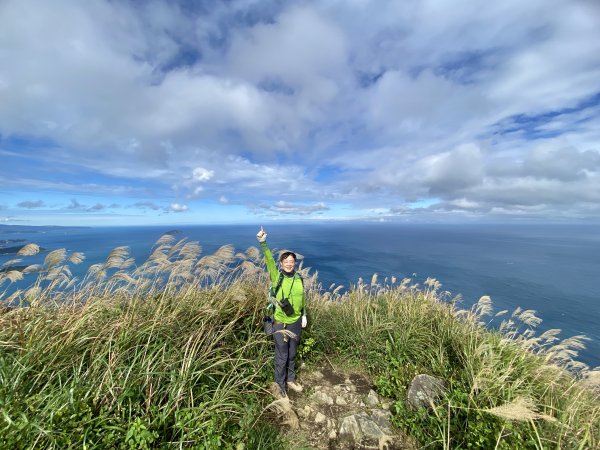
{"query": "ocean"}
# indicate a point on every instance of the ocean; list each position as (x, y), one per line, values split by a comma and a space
(552, 269)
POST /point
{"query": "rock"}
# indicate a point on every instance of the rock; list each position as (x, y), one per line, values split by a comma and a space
(371, 432)
(332, 435)
(349, 430)
(424, 391)
(320, 418)
(383, 419)
(339, 400)
(361, 430)
(322, 398)
(386, 405)
(372, 398)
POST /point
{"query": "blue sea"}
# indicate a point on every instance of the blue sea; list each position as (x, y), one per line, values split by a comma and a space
(553, 269)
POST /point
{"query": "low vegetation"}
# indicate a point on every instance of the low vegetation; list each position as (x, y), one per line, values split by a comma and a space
(170, 354)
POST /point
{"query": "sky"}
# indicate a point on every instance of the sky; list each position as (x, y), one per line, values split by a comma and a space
(203, 112)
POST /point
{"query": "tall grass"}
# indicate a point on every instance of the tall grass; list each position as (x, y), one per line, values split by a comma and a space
(506, 389)
(170, 354)
(165, 353)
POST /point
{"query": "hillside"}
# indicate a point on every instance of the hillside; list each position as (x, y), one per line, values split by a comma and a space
(171, 354)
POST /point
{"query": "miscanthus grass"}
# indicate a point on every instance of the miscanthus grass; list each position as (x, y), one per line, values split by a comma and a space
(166, 354)
(170, 354)
(507, 387)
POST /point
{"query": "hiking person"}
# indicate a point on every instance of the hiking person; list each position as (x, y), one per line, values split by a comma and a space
(289, 317)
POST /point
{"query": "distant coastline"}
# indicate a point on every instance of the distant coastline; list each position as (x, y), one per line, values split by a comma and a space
(4, 228)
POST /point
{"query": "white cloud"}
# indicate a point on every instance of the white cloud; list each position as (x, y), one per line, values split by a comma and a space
(287, 208)
(178, 207)
(449, 171)
(302, 49)
(202, 174)
(483, 107)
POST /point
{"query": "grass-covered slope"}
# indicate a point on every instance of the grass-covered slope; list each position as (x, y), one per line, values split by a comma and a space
(171, 355)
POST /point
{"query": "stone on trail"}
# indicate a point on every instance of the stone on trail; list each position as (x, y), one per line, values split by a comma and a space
(339, 400)
(372, 398)
(322, 398)
(349, 430)
(320, 418)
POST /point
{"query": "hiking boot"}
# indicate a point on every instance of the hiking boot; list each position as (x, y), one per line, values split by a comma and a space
(296, 387)
(277, 391)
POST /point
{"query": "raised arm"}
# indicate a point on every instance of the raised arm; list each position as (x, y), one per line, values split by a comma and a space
(271, 266)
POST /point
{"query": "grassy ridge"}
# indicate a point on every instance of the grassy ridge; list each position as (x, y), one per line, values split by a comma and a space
(507, 389)
(170, 354)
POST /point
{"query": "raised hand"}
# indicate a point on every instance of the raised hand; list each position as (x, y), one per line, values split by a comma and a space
(261, 235)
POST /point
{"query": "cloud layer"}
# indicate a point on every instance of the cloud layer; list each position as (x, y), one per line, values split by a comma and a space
(381, 109)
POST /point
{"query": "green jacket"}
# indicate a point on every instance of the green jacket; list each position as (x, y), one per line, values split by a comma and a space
(291, 287)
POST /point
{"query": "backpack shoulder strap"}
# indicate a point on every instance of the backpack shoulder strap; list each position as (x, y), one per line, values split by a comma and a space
(278, 284)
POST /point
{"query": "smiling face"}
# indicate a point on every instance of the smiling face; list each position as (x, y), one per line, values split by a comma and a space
(288, 263)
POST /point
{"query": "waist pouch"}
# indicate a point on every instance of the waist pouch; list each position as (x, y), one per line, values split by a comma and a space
(268, 325)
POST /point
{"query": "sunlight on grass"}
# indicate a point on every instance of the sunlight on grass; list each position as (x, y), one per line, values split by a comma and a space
(171, 352)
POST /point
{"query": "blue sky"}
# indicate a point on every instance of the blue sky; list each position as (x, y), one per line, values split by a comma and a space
(131, 112)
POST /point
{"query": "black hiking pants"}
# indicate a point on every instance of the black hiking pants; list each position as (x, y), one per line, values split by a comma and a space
(285, 352)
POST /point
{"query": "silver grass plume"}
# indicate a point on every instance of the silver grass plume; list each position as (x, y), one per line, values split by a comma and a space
(225, 253)
(76, 257)
(33, 268)
(483, 307)
(14, 275)
(29, 249)
(117, 257)
(529, 318)
(55, 257)
(550, 336)
(250, 268)
(12, 262)
(432, 284)
(507, 325)
(520, 409)
(97, 271)
(123, 276)
(55, 272)
(374, 279)
(190, 250)
(167, 239)
(253, 253)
